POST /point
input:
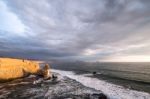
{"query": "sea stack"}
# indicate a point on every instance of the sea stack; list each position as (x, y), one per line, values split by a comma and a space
(46, 72)
(16, 68)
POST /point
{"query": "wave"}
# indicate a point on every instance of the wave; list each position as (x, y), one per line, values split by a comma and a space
(111, 90)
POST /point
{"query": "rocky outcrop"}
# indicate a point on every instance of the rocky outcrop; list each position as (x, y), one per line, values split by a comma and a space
(47, 72)
(16, 68)
(62, 88)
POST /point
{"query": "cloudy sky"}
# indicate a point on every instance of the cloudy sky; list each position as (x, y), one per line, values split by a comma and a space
(87, 30)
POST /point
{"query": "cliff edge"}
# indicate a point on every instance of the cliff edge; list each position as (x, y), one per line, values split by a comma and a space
(17, 68)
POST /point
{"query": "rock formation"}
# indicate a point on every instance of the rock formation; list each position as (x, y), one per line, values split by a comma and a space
(46, 72)
(16, 68)
(63, 88)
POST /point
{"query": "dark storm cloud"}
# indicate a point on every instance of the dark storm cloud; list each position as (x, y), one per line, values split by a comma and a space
(22, 47)
(79, 29)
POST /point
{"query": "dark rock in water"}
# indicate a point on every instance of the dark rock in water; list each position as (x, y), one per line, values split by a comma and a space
(94, 73)
(54, 77)
(62, 88)
(99, 96)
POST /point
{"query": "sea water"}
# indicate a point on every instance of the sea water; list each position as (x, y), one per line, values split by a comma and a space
(124, 80)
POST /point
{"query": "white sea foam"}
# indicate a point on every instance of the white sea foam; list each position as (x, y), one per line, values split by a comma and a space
(111, 90)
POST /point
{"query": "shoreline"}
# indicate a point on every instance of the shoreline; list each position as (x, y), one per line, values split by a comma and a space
(111, 90)
(124, 82)
(62, 88)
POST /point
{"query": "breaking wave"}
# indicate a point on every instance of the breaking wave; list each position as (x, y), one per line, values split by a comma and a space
(111, 90)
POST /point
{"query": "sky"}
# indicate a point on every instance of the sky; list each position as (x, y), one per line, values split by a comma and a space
(70, 30)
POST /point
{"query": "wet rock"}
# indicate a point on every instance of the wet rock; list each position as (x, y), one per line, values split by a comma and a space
(94, 73)
(62, 88)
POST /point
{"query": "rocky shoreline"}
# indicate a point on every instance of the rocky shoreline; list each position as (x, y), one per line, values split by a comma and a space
(62, 88)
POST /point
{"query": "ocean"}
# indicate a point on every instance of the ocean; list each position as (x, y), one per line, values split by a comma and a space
(134, 77)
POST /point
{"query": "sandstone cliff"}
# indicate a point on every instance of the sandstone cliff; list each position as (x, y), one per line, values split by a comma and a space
(16, 68)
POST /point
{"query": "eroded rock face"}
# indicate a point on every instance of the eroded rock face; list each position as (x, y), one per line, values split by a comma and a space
(16, 68)
(45, 72)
